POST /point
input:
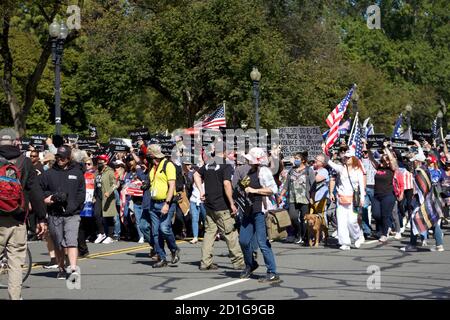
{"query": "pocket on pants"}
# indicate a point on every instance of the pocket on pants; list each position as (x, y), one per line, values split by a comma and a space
(228, 223)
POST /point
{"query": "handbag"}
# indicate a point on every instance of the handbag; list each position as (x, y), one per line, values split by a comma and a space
(277, 222)
(356, 193)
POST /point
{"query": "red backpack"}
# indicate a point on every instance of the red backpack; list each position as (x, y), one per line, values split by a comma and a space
(12, 199)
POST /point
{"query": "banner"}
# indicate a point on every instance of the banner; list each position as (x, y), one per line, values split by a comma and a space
(375, 141)
(119, 145)
(299, 139)
(426, 135)
(71, 138)
(400, 144)
(38, 141)
(87, 143)
(139, 134)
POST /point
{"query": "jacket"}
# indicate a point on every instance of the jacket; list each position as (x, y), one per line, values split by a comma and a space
(108, 186)
(68, 181)
(29, 181)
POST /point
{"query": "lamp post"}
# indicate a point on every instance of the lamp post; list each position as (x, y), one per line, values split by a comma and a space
(408, 112)
(439, 124)
(355, 99)
(444, 118)
(58, 33)
(255, 75)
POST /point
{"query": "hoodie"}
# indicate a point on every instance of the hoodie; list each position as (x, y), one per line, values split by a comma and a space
(69, 181)
(30, 184)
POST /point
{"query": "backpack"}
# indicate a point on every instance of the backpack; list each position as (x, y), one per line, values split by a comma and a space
(12, 198)
(179, 182)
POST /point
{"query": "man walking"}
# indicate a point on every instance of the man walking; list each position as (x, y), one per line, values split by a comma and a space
(13, 232)
(64, 191)
(162, 190)
(220, 211)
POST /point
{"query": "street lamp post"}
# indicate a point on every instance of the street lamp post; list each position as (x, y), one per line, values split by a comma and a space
(408, 112)
(444, 118)
(255, 75)
(355, 100)
(439, 124)
(58, 33)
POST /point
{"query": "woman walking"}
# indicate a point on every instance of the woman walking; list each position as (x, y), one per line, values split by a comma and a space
(350, 179)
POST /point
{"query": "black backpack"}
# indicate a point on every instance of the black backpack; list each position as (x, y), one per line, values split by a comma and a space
(179, 183)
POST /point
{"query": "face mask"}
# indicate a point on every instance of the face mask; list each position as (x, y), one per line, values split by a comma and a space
(46, 167)
(297, 163)
(100, 166)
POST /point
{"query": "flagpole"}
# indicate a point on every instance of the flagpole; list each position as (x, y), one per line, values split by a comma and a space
(353, 128)
(225, 113)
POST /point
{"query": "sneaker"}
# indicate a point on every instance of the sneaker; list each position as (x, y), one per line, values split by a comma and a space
(383, 239)
(437, 248)
(212, 266)
(62, 274)
(108, 240)
(402, 230)
(344, 247)
(408, 225)
(83, 255)
(175, 256)
(270, 278)
(430, 231)
(299, 241)
(73, 276)
(194, 241)
(51, 265)
(116, 238)
(398, 236)
(424, 243)
(141, 240)
(335, 234)
(409, 248)
(239, 267)
(160, 264)
(248, 271)
(100, 238)
(360, 241)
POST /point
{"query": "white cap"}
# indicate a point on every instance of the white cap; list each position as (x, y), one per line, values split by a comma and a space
(418, 157)
(349, 153)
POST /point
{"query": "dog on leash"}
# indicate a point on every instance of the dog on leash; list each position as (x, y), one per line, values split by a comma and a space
(316, 229)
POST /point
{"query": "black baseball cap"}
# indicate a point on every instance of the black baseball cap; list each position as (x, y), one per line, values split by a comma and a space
(64, 152)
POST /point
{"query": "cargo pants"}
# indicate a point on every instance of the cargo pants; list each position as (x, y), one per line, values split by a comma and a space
(225, 223)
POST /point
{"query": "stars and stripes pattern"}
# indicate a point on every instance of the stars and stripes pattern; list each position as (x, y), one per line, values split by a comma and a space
(434, 128)
(215, 120)
(398, 129)
(343, 129)
(356, 143)
(334, 119)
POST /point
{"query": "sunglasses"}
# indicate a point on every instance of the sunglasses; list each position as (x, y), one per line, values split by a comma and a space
(34, 156)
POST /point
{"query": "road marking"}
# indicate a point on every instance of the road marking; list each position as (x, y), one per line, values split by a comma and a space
(197, 293)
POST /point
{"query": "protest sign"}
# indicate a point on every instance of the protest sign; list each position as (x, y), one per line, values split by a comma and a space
(426, 135)
(375, 141)
(400, 144)
(298, 139)
(139, 134)
(71, 138)
(119, 145)
(87, 143)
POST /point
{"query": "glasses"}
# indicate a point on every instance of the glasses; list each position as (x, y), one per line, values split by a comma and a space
(34, 156)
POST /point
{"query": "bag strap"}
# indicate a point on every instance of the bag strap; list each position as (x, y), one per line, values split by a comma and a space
(348, 173)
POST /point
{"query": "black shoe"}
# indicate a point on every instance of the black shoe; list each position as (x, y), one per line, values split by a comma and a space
(62, 274)
(161, 264)
(212, 266)
(409, 248)
(83, 254)
(175, 256)
(270, 278)
(248, 271)
(289, 240)
(51, 265)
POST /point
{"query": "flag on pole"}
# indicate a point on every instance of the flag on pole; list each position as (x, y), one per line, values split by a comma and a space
(343, 129)
(398, 129)
(334, 119)
(356, 144)
(434, 128)
(215, 120)
(370, 130)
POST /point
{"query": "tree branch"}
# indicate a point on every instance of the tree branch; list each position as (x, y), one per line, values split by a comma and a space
(41, 8)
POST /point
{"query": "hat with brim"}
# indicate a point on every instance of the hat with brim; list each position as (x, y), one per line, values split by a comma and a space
(48, 157)
(256, 156)
(119, 163)
(418, 157)
(349, 153)
(154, 150)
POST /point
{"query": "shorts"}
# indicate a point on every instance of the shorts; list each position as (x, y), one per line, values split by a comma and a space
(64, 230)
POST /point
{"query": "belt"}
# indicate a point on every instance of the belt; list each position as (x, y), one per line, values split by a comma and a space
(159, 201)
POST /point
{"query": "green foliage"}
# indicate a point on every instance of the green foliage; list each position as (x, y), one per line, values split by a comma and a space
(164, 64)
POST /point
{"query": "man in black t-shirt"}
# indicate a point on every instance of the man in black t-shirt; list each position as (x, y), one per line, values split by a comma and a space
(220, 212)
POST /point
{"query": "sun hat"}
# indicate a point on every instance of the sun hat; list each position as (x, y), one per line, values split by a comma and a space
(256, 156)
(154, 150)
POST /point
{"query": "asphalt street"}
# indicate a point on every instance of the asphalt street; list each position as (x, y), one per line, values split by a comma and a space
(122, 270)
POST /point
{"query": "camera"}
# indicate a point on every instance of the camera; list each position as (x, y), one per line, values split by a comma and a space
(145, 186)
(59, 197)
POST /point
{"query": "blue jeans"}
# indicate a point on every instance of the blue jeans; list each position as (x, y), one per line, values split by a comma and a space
(366, 225)
(197, 212)
(382, 212)
(138, 216)
(162, 228)
(145, 226)
(117, 228)
(437, 235)
(255, 225)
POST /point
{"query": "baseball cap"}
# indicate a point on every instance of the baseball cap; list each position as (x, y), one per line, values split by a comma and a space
(154, 150)
(418, 157)
(8, 134)
(64, 152)
(349, 153)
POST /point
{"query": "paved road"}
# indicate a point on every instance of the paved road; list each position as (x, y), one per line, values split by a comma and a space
(122, 270)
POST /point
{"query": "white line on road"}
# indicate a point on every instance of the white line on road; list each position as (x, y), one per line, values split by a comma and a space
(197, 293)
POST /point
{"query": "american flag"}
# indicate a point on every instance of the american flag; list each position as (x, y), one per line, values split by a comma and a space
(215, 120)
(434, 129)
(398, 129)
(343, 129)
(356, 142)
(335, 117)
